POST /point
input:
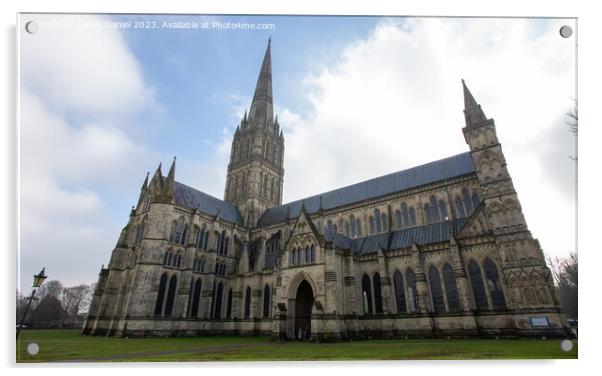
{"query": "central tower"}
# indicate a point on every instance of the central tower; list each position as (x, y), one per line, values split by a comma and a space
(255, 172)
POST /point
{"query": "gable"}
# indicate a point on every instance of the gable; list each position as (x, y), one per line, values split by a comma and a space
(477, 224)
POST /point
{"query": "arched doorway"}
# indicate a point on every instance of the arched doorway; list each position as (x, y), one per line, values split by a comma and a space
(304, 301)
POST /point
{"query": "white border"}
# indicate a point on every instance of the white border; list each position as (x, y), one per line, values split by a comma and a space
(589, 94)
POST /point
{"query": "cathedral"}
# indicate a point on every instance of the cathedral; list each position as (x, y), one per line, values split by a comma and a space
(438, 250)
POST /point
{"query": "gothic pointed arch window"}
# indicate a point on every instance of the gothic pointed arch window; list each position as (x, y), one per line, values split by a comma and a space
(265, 185)
(436, 291)
(427, 213)
(312, 253)
(358, 227)
(169, 257)
(443, 210)
(367, 294)
(229, 305)
(161, 294)
(371, 225)
(173, 231)
(247, 308)
(494, 285)
(206, 240)
(190, 295)
(352, 225)
(347, 229)
(385, 222)
(466, 199)
(435, 215)
(451, 289)
(460, 207)
(412, 214)
(266, 301)
(218, 301)
(476, 200)
(171, 295)
(184, 235)
(140, 231)
(272, 191)
(478, 288)
(412, 294)
(198, 237)
(165, 258)
(398, 219)
(400, 296)
(244, 183)
(196, 298)
(405, 215)
(267, 151)
(301, 256)
(378, 298)
(223, 242)
(377, 220)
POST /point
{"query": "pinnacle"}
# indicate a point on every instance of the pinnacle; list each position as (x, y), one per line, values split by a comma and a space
(261, 112)
(473, 114)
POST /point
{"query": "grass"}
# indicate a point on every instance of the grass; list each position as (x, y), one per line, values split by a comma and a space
(69, 345)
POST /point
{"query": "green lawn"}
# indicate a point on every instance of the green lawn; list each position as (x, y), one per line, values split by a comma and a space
(69, 345)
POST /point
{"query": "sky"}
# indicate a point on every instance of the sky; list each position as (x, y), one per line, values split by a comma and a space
(101, 103)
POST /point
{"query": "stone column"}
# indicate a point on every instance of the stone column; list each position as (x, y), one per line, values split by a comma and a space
(385, 283)
(260, 260)
(206, 303)
(330, 282)
(421, 285)
(464, 293)
(181, 304)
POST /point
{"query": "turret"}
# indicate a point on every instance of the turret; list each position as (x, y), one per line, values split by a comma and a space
(167, 192)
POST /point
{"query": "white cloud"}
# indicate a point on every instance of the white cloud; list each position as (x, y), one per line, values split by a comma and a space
(83, 70)
(80, 93)
(394, 100)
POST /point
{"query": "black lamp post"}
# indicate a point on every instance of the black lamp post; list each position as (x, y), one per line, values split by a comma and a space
(37, 282)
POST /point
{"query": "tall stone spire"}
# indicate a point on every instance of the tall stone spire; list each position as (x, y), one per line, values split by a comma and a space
(473, 114)
(261, 113)
(255, 172)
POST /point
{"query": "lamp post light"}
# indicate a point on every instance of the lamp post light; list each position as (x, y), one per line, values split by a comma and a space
(38, 279)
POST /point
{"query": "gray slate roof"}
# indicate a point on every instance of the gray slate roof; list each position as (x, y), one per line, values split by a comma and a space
(191, 198)
(432, 172)
(422, 235)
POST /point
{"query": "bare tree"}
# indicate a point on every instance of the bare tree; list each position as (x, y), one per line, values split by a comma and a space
(573, 121)
(49, 313)
(21, 307)
(565, 273)
(75, 299)
(54, 288)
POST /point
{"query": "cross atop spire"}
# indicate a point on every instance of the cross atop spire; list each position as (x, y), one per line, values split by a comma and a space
(261, 112)
(473, 114)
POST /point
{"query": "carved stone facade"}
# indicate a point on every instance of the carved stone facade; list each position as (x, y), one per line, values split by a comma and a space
(438, 250)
